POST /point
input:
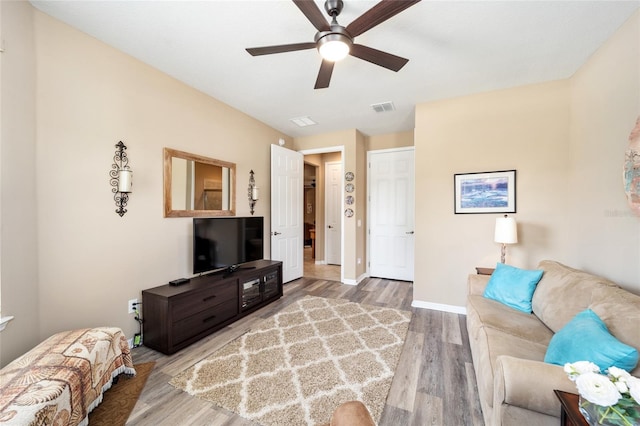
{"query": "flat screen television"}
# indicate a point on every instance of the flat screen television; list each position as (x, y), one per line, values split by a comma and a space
(222, 243)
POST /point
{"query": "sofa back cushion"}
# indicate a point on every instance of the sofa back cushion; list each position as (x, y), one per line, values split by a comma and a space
(563, 292)
(620, 311)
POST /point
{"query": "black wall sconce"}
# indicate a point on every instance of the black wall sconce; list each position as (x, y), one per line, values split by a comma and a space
(252, 192)
(121, 178)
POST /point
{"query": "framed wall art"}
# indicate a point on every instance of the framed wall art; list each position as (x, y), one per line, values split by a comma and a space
(485, 192)
(631, 169)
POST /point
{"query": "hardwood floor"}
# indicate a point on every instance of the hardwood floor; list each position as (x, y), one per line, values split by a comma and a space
(434, 383)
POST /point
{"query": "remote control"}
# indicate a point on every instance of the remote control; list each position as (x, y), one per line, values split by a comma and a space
(179, 281)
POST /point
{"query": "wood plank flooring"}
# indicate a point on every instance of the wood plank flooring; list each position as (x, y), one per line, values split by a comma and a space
(434, 383)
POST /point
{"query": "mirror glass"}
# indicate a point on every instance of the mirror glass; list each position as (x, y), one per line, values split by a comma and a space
(197, 186)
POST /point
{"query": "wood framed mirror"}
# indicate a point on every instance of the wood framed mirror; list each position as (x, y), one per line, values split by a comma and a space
(197, 186)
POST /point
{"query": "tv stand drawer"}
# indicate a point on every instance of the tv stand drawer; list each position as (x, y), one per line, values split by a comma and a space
(202, 321)
(225, 292)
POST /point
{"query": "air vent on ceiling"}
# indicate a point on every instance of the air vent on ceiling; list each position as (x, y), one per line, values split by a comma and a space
(383, 107)
(303, 121)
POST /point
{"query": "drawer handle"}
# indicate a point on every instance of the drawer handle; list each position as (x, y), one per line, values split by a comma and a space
(211, 318)
(209, 298)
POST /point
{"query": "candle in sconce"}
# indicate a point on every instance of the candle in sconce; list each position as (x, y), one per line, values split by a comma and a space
(125, 180)
(254, 193)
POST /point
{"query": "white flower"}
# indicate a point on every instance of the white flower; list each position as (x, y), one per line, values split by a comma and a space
(634, 388)
(618, 373)
(597, 389)
(580, 367)
(619, 377)
(621, 386)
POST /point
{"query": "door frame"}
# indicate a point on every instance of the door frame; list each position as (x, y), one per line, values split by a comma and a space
(327, 150)
(369, 153)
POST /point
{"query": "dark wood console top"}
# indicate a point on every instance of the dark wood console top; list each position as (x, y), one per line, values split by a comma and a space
(209, 278)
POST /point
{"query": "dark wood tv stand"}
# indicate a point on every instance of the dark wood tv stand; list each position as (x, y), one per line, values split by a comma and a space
(177, 316)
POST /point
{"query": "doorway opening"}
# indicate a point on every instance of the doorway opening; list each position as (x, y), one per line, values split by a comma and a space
(316, 217)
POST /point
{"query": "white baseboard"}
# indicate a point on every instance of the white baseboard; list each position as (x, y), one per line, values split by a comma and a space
(439, 307)
(356, 281)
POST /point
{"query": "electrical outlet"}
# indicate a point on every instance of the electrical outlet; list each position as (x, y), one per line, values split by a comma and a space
(131, 305)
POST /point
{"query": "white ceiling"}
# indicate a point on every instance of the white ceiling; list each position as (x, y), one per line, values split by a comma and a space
(454, 48)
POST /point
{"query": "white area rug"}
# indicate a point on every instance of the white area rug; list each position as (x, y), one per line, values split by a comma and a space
(300, 364)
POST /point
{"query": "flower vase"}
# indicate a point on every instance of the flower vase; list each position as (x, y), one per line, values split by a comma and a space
(616, 415)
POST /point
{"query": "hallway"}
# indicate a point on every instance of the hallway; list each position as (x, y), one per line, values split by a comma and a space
(325, 272)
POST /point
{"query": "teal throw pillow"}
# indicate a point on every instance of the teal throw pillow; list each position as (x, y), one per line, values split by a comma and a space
(513, 286)
(586, 338)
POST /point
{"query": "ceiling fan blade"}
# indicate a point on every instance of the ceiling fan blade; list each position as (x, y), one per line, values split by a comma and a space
(313, 14)
(268, 50)
(324, 76)
(378, 57)
(378, 14)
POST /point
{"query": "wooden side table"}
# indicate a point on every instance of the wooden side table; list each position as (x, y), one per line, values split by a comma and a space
(570, 414)
(484, 271)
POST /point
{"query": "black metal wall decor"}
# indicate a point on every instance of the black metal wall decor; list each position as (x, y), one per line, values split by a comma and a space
(121, 178)
(252, 192)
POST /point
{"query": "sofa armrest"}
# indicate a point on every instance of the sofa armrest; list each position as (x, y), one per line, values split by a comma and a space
(529, 384)
(477, 283)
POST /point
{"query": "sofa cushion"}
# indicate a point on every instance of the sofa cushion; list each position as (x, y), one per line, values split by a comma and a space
(513, 286)
(563, 292)
(620, 311)
(487, 313)
(586, 338)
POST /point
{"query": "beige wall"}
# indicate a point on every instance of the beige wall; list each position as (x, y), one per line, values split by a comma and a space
(605, 103)
(389, 141)
(86, 96)
(18, 204)
(567, 140)
(527, 129)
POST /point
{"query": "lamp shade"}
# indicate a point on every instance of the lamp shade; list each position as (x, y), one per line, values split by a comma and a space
(506, 230)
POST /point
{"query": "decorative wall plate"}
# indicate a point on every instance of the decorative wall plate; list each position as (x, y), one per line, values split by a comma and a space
(348, 212)
(349, 176)
(349, 200)
(631, 169)
(349, 187)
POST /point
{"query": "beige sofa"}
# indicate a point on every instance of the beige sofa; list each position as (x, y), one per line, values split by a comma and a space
(508, 346)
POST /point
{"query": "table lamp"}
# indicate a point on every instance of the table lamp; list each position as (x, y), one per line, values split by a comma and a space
(506, 233)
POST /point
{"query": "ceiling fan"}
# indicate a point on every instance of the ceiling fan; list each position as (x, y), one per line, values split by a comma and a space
(335, 42)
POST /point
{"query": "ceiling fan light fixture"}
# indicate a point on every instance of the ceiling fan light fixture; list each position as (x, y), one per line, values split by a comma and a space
(334, 47)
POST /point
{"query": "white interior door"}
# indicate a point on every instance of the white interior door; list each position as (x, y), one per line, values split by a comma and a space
(287, 181)
(333, 213)
(391, 214)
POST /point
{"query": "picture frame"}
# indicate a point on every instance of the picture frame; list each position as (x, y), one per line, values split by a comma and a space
(485, 192)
